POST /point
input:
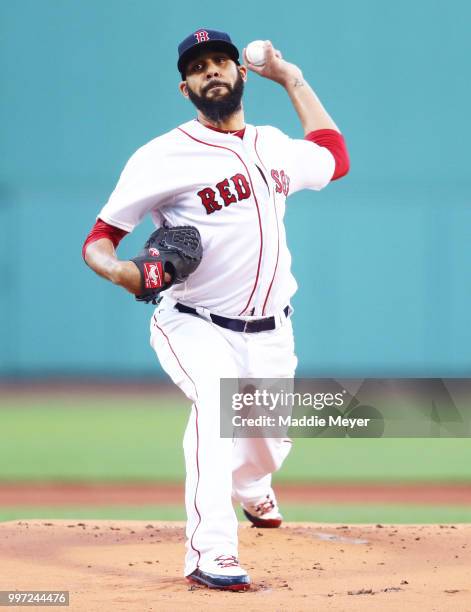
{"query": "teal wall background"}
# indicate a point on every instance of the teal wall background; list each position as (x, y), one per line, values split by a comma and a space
(382, 257)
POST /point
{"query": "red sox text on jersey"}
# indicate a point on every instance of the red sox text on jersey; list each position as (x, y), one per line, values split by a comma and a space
(237, 188)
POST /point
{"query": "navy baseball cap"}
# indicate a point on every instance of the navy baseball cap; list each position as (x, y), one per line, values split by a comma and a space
(203, 40)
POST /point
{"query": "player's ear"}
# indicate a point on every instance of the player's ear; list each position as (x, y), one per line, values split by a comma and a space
(183, 89)
(243, 72)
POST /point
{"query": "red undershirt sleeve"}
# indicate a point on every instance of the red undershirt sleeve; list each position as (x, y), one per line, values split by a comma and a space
(103, 230)
(335, 143)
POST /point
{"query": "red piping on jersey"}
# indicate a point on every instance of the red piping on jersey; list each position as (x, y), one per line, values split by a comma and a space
(256, 203)
(277, 256)
(277, 229)
(335, 143)
(197, 439)
(101, 229)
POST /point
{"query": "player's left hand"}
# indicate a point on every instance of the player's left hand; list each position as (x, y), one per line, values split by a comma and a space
(275, 67)
(176, 249)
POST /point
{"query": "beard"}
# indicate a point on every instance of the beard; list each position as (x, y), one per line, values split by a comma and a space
(219, 108)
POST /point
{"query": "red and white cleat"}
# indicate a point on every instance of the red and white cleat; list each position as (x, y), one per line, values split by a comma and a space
(264, 514)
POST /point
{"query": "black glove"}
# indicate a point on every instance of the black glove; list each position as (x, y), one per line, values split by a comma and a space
(176, 250)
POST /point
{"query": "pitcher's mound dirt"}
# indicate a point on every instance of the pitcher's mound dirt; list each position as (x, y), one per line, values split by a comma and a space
(134, 565)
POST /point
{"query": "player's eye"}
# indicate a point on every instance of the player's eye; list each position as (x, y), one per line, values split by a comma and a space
(196, 67)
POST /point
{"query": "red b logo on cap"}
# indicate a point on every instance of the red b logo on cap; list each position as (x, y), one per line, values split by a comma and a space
(201, 36)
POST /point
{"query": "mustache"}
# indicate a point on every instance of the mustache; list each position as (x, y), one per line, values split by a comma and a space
(214, 83)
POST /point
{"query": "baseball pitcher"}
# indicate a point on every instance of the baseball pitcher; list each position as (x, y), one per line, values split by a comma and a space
(218, 270)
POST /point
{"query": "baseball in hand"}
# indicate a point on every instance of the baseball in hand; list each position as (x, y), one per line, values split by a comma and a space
(255, 52)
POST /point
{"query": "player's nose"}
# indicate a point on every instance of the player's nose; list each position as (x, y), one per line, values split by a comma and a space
(212, 71)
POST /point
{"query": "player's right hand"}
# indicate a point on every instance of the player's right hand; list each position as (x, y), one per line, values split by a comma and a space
(275, 67)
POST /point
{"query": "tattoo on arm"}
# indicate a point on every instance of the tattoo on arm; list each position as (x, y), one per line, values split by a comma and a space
(298, 83)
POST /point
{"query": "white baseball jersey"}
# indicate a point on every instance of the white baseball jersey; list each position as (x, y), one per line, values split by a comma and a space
(234, 191)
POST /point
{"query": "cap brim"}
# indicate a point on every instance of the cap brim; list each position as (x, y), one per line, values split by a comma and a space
(204, 47)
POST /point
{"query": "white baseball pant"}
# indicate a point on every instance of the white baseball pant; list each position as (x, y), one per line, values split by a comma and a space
(196, 353)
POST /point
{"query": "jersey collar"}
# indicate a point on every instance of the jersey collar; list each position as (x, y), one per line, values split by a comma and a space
(198, 130)
(239, 133)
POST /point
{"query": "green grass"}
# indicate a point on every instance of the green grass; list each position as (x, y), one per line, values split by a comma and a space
(82, 438)
(380, 460)
(93, 440)
(147, 513)
(322, 513)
